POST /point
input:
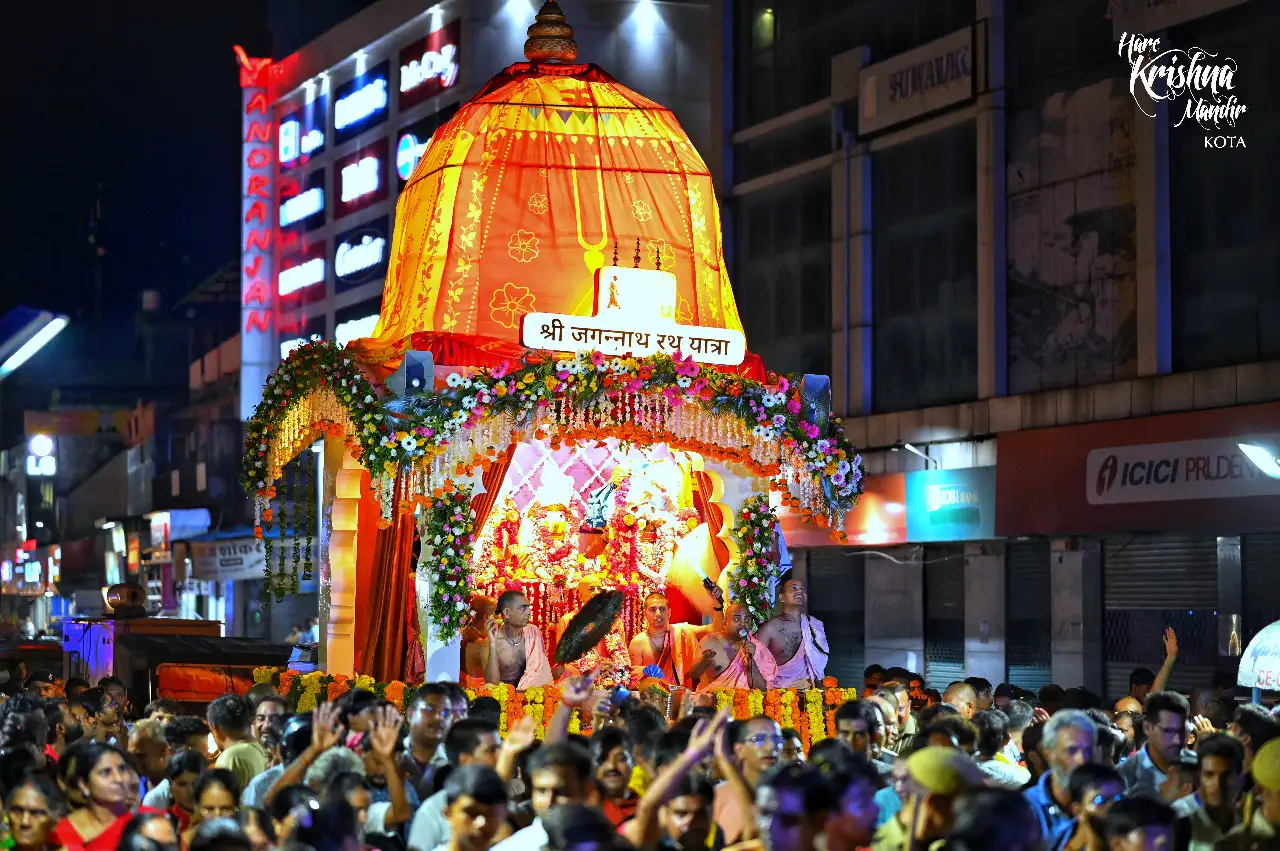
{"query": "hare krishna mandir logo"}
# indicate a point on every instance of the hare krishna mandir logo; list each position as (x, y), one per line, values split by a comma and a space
(1202, 80)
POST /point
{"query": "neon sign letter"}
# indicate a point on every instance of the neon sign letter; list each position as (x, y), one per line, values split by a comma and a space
(257, 340)
(433, 65)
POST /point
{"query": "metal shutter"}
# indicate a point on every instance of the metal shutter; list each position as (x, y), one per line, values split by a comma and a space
(837, 595)
(1029, 607)
(943, 615)
(1151, 582)
(1261, 574)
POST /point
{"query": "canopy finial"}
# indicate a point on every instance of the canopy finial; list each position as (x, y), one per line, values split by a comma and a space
(550, 36)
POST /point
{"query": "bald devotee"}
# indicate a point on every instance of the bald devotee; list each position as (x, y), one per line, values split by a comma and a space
(516, 655)
(673, 647)
(732, 657)
(797, 641)
(963, 698)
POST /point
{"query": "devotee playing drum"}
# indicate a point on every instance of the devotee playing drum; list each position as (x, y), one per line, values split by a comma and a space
(732, 657)
(797, 641)
(516, 654)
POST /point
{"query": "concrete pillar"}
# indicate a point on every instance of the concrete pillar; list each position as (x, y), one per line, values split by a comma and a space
(993, 258)
(851, 282)
(984, 615)
(1151, 209)
(894, 611)
(340, 630)
(1075, 582)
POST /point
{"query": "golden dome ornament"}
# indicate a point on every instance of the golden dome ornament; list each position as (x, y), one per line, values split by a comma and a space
(550, 36)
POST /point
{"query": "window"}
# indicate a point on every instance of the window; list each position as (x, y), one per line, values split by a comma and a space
(784, 49)
(924, 271)
(1222, 213)
(794, 145)
(782, 273)
(1054, 46)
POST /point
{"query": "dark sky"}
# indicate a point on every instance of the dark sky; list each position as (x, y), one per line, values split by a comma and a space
(142, 97)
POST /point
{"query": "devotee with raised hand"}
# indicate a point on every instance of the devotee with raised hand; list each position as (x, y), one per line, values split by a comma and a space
(517, 656)
(732, 657)
(326, 732)
(797, 640)
(559, 775)
(670, 647)
(1142, 682)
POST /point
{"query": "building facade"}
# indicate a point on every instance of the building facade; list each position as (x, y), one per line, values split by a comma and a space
(1048, 309)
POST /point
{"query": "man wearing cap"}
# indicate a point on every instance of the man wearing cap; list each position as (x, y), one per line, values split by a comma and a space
(935, 777)
(43, 683)
(1067, 743)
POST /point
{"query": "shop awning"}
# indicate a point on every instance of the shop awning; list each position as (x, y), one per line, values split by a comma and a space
(1260, 664)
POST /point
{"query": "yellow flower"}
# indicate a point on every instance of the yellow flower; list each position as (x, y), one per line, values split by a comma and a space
(499, 389)
(307, 702)
(364, 681)
(263, 675)
(551, 383)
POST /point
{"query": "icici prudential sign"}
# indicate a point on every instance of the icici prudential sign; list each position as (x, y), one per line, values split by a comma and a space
(257, 269)
(1168, 472)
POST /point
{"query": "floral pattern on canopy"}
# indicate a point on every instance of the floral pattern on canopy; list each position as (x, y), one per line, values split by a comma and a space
(530, 189)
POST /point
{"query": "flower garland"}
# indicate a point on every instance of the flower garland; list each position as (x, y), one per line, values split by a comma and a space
(446, 528)
(587, 397)
(755, 533)
(809, 712)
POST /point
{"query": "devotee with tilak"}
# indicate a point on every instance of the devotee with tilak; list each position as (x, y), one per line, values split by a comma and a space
(797, 641)
(671, 647)
(732, 657)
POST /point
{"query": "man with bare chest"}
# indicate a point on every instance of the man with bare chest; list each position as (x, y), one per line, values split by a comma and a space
(797, 641)
(732, 657)
(669, 646)
(516, 653)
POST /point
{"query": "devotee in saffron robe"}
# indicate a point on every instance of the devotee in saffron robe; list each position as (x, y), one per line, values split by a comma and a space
(672, 647)
(732, 657)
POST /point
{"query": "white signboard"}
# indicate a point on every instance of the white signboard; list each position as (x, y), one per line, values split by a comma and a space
(635, 315)
(931, 77)
(1169, 472)
(1260, 664)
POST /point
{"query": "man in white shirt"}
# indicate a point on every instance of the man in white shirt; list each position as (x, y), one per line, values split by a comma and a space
(559, 774)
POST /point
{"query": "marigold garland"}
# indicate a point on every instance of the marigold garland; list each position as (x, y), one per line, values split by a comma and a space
(805, 711)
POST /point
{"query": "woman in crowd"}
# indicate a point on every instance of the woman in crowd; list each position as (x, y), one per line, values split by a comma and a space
(32, 809)
(216, 793)
(184, 768)
(108, 785)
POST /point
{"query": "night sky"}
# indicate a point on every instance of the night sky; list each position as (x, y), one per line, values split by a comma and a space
(143, 98)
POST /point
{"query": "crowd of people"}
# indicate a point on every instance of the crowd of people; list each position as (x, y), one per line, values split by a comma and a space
(974, 767)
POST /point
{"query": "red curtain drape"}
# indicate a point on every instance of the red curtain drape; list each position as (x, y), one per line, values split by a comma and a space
(482, 503)
(391, 599)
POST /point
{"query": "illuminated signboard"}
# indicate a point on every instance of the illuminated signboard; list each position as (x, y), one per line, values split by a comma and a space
(360, 254)
(299, 332)
(412, 141)
(302, 275)
(356, 321)
(301, 133)
(360, 179)
(302, 203)
(360, 103)
(430, 65)
(257, 173)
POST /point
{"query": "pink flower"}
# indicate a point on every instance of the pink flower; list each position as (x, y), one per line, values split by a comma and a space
(783, 384)
(793, 405)
(809, 429)
(742, 582)
(597, 358)
(501, 370)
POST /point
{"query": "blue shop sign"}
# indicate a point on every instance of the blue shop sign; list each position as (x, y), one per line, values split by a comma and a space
(951, 505)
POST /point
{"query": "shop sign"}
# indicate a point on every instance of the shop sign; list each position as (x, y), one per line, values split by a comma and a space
(931, 77)
(257, 290)
(1192, 469)
(430, 65)
(361, 179)
(951, 505)
(361, 254)
(302, 274)
(879, 518)
(301, 134)
(360, 104)
(412, 141)
(229, 560)
(1151, 16)
(635, 315)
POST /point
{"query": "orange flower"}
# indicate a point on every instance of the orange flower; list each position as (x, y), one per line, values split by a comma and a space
(829, 682)
(286, 681)
(394, 692)
(338, 688)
